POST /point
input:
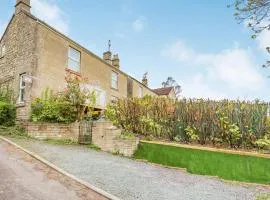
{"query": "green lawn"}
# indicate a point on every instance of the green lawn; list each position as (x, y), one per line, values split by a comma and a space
(224, 165)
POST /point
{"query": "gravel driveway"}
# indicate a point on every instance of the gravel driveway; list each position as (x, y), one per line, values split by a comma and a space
(129, 179)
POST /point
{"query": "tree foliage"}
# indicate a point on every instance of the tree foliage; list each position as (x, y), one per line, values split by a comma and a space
(256, 13)
(170, 82)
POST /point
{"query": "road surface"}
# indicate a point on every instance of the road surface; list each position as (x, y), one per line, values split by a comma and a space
(25, 178)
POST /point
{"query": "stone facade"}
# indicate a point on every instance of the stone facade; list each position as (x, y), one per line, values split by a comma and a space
(19, 40)
(41, 52)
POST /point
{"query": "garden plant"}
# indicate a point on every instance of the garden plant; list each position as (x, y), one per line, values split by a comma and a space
(226, 123)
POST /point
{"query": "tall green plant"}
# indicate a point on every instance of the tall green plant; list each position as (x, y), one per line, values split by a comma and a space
(228, 123)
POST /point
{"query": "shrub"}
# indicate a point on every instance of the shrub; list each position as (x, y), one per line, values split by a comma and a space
(7, 114)
(50, 108)
(263, 143)
(6, 95)
(227, 123)
(64, 107)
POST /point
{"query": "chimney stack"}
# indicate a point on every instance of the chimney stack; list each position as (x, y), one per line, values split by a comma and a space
(107, 56)
(22, 5)
(116, 61)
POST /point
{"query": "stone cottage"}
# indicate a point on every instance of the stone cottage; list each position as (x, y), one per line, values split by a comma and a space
(35, 56)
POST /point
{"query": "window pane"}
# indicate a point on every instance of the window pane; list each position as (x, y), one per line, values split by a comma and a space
(22, 82)
(74, 54)
(114, 80)
(22, 91)
(114, 84)
(73, 65)
(140, 92)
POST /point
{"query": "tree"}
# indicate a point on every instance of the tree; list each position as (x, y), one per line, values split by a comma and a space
(256, 13)
(170, 82)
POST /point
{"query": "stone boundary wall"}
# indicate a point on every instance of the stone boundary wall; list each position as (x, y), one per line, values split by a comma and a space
(53, 130)
(107, 137)
(104, 135)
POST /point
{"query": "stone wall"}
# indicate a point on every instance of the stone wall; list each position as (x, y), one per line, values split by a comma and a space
(53, 130)
(107, 137)
(104, 135)
(19, 40)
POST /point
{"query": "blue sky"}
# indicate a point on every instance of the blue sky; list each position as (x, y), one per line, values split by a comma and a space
(197, 42)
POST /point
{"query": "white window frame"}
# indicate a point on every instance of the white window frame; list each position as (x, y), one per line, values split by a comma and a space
(22, 89)
(114, 82)
(77, 61)
(140, 92)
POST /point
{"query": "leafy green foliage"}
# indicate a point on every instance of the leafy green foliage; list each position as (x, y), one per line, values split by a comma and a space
(235, 124)
(192, 134)
(13, 131)
(65, 107)
(263, 143)
(6, 95)
(7, 114)
(52, 108)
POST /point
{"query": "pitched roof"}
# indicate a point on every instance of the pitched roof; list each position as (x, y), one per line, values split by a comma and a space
(163, 91)
(71, 40)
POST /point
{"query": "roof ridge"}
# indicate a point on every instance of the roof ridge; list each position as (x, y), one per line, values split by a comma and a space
(84, 48)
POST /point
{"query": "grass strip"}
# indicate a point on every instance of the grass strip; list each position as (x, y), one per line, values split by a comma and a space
(224, 165)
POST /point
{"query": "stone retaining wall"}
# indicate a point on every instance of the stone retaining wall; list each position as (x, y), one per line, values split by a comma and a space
(104, 135)
(53, 130)
(107, 137)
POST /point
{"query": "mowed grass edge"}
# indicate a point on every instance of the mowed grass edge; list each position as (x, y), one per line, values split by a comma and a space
(224, 165)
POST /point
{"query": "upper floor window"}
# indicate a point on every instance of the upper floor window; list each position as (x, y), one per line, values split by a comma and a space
(2, 50)
(140, 92)
(74, 59)
(114, 80)
(22, 89)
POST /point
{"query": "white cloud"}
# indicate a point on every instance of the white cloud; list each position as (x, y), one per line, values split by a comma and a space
(234, 67)
(179, 51)
(51, 14)
(196, 87)
(264, 40)
(139, 24)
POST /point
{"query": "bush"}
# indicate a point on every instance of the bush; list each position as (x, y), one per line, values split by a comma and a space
(65, 107)
(51, 108)
(7, 114)
(13, 131)
(227, 123)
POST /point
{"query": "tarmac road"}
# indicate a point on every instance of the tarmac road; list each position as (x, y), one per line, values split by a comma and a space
(25, 178)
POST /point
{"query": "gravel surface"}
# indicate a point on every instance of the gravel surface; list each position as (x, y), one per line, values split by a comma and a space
(129, 179)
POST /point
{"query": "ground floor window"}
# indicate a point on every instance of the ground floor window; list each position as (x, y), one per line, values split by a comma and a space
(22, 89)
